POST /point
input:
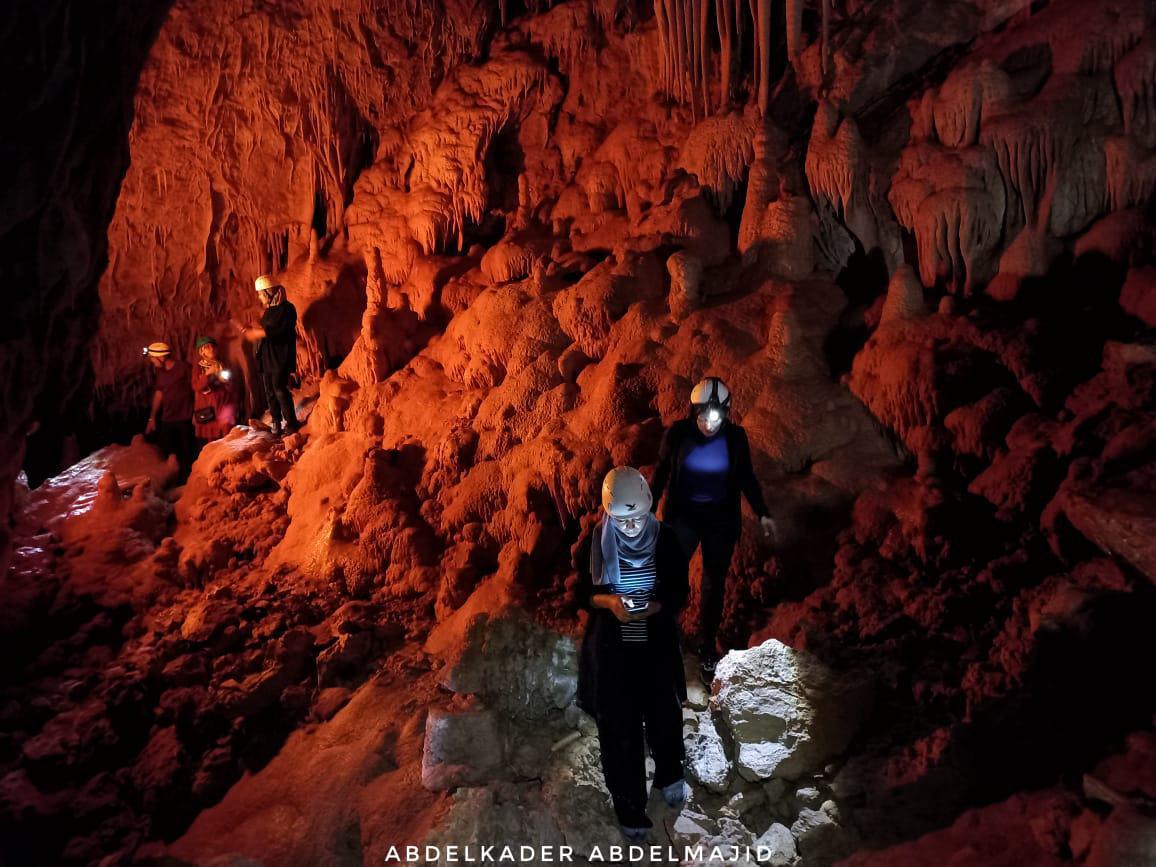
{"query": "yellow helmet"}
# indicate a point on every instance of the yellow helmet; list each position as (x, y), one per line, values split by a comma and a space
(157, 350)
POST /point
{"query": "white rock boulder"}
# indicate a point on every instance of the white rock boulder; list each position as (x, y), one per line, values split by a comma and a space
(787, 712)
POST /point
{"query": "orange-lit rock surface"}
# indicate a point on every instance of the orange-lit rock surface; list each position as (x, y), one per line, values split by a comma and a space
(915, 239)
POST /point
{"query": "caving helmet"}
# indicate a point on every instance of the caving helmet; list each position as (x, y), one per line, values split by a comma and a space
(711, 402)
(157, 350)
(626, 498)
(269, 289)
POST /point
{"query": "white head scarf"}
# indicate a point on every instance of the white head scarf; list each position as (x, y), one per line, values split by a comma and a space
(608, 547)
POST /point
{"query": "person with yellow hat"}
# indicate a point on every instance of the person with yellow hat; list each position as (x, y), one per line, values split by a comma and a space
(276, 352)
(171, 415)
(633, 581)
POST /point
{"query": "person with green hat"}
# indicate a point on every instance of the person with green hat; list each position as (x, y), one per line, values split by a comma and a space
(215, 412)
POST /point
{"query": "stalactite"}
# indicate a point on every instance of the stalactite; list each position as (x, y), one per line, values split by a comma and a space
(690, 10)
(685, 51)
(677, 60)
(794, 28)
(722, 24)
(663, 26)
(701, 7)
(825, 40)
(763, 36)
(756, 57)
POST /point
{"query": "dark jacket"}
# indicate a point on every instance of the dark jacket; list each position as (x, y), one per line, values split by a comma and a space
(277, 350)
(741, 478)
(600, 679)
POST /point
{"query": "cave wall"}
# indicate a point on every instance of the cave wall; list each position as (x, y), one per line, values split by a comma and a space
(914, 237)
(71, 71)
(251, 125)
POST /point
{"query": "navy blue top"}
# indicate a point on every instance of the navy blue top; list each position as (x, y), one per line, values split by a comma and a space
(705, 469)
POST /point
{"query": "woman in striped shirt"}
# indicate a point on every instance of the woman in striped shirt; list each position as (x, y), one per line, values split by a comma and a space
(630, 674)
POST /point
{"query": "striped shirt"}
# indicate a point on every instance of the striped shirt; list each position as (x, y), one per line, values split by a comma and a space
(638, 582)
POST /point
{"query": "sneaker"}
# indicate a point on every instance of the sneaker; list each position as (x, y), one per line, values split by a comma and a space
(634, 835)
(276, 431)
(676, 793)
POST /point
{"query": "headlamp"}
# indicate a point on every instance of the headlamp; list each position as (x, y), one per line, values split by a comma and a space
(225, 375)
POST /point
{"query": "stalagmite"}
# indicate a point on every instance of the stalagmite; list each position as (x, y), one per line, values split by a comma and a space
(686, 289)
(790, 355)
(1030, 254)
(762, 183)
(374, 306)
(787, 231)
(904, 296)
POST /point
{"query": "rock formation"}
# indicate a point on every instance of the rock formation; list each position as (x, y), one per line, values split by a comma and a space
(915, 239)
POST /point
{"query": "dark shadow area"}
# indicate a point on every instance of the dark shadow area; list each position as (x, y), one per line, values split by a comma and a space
(334, 320)
(1081, 693)
(863, 280)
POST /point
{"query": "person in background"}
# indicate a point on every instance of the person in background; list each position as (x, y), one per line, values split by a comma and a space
(633, 581)
(171, 415)
(276, 352)
(706, 458)
(215, 409)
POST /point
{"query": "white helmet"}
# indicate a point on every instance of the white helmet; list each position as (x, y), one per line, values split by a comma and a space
(157, 350)
(625, 493)
(711, 392)
(265, 281)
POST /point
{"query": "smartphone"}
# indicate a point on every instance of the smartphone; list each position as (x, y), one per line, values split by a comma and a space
(633, 604)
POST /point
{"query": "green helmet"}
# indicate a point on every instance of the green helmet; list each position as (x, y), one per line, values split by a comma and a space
(203, 341)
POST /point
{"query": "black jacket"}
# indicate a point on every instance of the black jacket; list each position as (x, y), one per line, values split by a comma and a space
(277, 350)
(741, 479)
(600, 679)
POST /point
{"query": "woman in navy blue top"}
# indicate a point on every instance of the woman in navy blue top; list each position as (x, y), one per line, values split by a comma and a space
(705, 459)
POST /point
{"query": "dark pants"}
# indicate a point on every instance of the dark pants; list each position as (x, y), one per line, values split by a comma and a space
(718, 534)
(278, 396)
(648, 703)
(176, 438)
